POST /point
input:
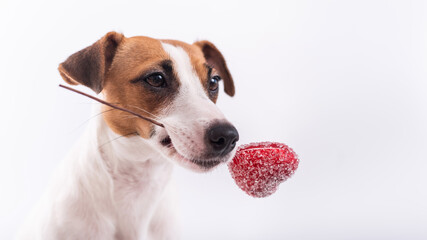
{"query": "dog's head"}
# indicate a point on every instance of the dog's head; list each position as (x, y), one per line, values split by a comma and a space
(170, 81)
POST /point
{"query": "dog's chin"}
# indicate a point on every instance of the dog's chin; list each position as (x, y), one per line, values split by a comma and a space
(197, 165)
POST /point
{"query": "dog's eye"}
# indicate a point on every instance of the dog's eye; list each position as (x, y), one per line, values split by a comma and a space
(213, 83)
(156, 80)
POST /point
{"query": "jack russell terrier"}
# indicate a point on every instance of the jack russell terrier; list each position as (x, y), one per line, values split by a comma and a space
(116, 182)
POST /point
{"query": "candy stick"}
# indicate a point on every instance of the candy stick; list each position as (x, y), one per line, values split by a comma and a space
(113, 106)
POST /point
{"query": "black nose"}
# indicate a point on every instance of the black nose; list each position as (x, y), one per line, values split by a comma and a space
(221, 138)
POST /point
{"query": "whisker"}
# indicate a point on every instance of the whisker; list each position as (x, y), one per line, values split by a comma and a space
(130, 105)
(128, 117)
(96, 115)
(172, 128)
(114, 139)
(92, 117)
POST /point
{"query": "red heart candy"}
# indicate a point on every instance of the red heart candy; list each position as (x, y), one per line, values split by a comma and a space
(258, 168)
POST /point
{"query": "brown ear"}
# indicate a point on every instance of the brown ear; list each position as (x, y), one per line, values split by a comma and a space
(90, 65)
(214, 57)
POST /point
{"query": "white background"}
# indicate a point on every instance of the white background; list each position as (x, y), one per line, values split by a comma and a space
(342, 82)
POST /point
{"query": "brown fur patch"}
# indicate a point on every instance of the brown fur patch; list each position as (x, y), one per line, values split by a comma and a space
(135, 56)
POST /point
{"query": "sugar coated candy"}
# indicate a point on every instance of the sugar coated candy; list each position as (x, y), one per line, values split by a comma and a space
(258, 168)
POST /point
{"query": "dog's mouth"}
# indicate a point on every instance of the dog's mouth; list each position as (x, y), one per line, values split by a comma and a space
(203, 164)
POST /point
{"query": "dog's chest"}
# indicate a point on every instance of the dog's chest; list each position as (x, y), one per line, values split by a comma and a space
(137, 193)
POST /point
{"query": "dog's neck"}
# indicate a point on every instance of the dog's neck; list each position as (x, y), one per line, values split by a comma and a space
(124, 173)
(129, 159)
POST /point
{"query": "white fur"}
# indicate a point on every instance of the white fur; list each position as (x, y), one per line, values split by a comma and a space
(113, 189)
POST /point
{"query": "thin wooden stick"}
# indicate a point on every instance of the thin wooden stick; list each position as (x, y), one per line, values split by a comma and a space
(113, 106)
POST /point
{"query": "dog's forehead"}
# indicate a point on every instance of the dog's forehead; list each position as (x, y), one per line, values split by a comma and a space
(190, 69)
(195, 55)
(146, 48)
(193, 51)
(140, 52)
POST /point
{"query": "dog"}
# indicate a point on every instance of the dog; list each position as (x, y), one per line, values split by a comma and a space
(116, 182)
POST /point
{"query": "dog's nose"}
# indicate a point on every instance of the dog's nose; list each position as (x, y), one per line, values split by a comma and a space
(221, 138)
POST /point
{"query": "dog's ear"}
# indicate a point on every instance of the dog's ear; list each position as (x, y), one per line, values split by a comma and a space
(90, 65)
(214, 57)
